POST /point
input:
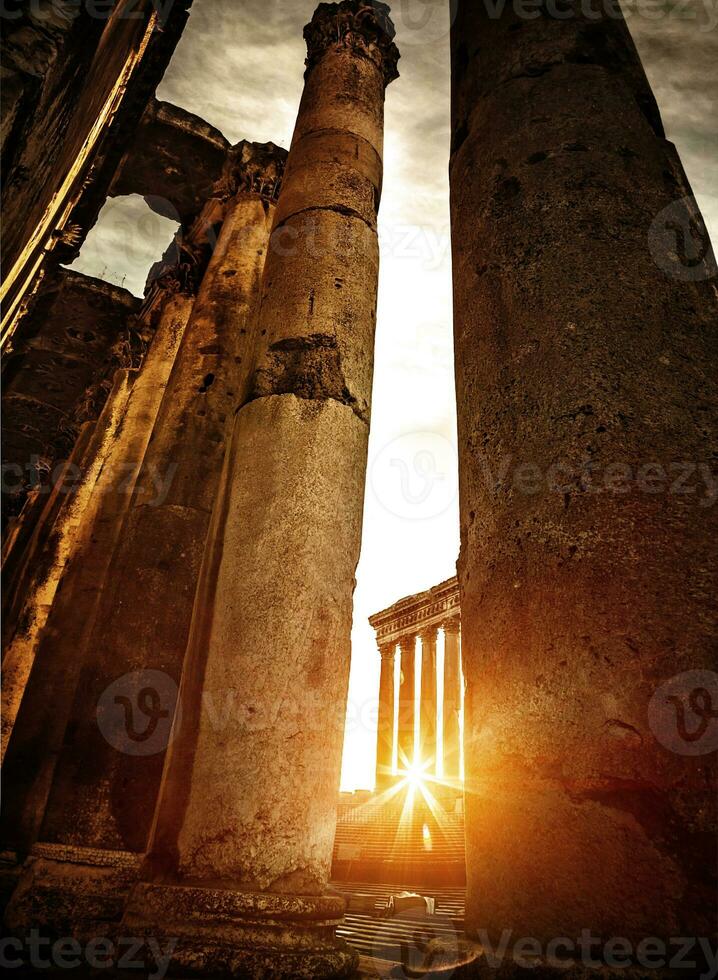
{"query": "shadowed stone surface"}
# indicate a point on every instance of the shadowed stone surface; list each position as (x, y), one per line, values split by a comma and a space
(60, 373)
(49, 551)
(173, 162)
(585, 350)
(81, 77)
(62, 646)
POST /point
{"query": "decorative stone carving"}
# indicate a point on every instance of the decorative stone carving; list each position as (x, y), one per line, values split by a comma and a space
(255, 168)
(182, 266)
(434, 607)
(364, 27)
(387, 651)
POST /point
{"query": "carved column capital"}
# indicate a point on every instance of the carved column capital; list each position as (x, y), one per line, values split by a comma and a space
(255, 168)
(387, 651)
(452, 625)
(181, 268)
(364, 27)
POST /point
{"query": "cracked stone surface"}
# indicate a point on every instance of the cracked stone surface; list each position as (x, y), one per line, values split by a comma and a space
(574, 348)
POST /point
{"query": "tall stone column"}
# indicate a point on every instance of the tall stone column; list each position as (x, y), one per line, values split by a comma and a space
(452, 701)
(37, 739)
(585, 303)
(407, 702)
(427, 703)
(46, 553)
(103, 794)
(385, 722)
(240, 859)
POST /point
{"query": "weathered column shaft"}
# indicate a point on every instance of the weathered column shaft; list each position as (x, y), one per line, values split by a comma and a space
(407, 702)
(385, 721)
(428, 702)
(147, 600)
(37, 739)
(246, 818)
(452, 701)
(586, 349)
(107, 777)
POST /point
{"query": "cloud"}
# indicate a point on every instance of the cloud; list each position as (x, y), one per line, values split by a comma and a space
(678, 45)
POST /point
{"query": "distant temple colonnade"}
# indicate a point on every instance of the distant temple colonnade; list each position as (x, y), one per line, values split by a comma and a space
(420, 691)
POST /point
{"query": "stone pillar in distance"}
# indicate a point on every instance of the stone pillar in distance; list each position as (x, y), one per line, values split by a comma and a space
(452, 702)
(427, 703)
(240, 857)
(586, 351)
(407, 702)
(385, 722)
(102, 798)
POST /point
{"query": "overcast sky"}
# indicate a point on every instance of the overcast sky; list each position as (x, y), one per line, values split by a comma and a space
(239, 65)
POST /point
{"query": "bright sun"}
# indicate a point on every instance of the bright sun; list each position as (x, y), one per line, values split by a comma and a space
(415, 776)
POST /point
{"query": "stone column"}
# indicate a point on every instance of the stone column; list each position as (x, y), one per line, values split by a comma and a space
(407, 702)
(385, 724)
(106, 780)
(39, 571)
(38, 736)
(26, 564)
(241, 853)
(427, 702)
(452, 701)
(586, 348)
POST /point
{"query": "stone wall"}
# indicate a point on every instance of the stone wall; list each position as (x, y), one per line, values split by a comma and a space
(79, 332)
(77, 88)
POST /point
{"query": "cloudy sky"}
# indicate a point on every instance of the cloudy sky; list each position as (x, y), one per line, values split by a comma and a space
(239, 65)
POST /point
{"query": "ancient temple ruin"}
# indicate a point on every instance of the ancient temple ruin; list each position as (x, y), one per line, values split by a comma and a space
(420, 737)
(411, 829)
(183, 495)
